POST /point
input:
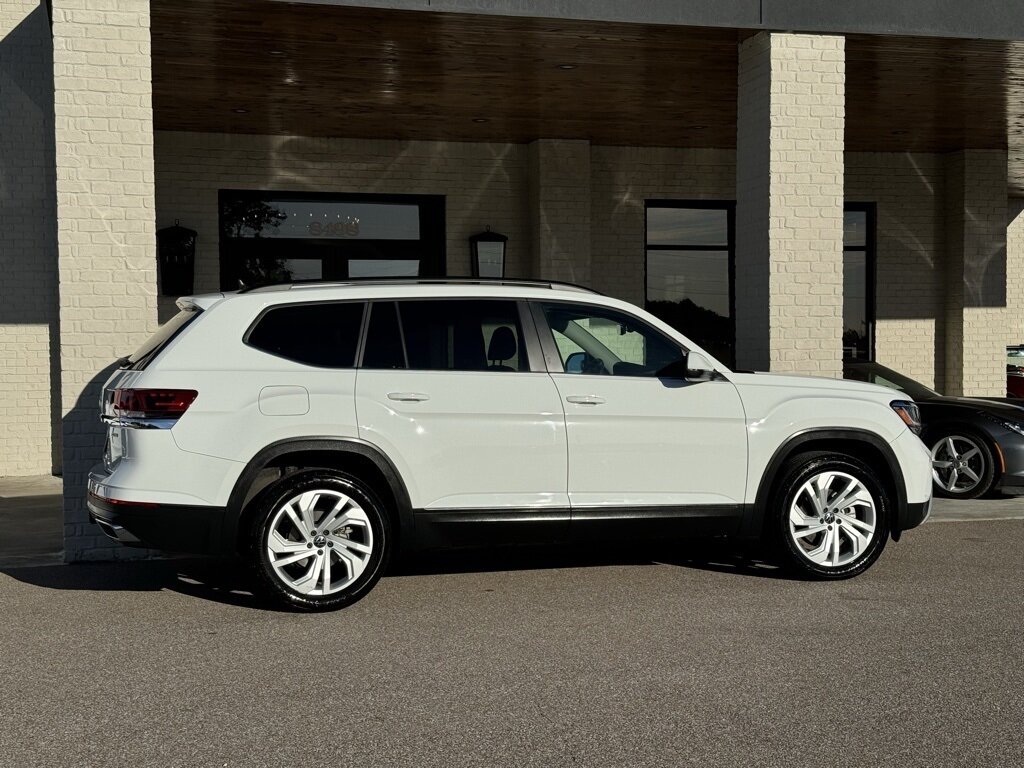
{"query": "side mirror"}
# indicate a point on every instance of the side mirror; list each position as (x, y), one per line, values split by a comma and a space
(680, 369)
(574, 362)
(677, 369)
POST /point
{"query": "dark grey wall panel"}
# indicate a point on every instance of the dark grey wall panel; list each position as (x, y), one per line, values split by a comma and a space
(993, 19)
(701, 13)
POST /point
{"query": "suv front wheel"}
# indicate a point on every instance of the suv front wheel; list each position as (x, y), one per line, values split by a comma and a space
(320, 540)
(831, 515)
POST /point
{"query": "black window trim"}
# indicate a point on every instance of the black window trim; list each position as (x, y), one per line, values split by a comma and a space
(530, 335)
(729, 206)
(870, 266)
(553, 359)
(283, 304)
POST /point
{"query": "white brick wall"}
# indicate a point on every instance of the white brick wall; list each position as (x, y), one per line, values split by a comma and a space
(105, 205)
(976, 330)
(484, 184)
(1015, 271)
(28, 248)
(908, 192)
(559, 207)
(622, 179)
(789, 185)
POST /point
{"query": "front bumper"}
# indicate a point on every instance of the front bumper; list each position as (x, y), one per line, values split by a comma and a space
(914, 514)
(172, 528)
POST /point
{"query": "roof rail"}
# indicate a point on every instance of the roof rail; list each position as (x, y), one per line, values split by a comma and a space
(523, 282)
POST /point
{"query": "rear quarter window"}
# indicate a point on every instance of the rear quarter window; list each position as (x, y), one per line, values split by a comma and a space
(323, 335)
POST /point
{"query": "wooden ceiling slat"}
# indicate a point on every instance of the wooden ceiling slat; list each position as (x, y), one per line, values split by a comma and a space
(409, 74)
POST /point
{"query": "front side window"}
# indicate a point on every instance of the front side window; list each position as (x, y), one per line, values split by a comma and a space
(603, 342)
(322, 335)
(446, 335)
(690, 247)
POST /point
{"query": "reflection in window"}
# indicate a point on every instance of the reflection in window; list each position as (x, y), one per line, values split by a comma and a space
(689, 271)
(857, 282)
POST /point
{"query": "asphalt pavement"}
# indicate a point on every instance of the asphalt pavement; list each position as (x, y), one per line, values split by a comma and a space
(528, 659)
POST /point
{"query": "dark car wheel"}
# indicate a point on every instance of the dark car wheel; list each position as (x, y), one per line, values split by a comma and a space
(962, 465)
(831, 515)
(320, 540)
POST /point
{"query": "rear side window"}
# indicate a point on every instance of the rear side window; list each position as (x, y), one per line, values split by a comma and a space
(323, 335)
(384, 348)
(155, 344)
(462, 335)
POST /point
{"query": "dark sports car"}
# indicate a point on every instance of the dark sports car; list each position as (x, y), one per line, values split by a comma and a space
(977, 444)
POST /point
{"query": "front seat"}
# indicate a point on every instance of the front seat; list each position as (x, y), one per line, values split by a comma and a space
(503, 347)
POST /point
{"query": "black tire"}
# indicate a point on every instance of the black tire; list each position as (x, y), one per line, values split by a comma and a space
(798, 471)
(983, 465)
(329, 480)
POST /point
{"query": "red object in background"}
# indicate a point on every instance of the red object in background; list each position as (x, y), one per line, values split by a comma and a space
(1015, 381)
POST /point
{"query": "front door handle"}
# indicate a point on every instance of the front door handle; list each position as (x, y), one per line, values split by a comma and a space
(584, 399)
(408, 397)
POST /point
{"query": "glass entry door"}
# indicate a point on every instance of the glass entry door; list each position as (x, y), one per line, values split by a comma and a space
(273, 237)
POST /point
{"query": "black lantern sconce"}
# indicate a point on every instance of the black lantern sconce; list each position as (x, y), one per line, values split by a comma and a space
(176, 260)
(487, 254)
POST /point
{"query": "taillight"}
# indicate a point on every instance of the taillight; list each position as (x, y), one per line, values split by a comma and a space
(152, 403)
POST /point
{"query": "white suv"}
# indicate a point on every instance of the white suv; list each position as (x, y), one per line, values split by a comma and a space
(318, 429)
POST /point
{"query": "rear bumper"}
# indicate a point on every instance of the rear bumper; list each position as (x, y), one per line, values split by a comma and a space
(172, 528)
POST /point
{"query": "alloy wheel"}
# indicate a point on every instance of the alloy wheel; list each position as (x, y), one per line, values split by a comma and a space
(832, 519)
(319, 542)
(958, 464)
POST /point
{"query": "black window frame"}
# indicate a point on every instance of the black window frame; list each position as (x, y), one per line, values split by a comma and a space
(432, 209)
(870, 268)
(729, 206)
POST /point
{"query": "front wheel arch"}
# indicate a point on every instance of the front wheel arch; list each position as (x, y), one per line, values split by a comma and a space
(866, 446)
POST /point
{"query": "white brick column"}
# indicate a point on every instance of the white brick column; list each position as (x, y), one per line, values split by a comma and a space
(977, 331)
(559, 204)
(29, 371)
(105, 232)
(789, 209)
(1015, 270)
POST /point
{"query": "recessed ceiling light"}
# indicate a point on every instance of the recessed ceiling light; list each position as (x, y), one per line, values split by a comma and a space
(481, 120)
(276, 53)
(567, 66)
(240, 111)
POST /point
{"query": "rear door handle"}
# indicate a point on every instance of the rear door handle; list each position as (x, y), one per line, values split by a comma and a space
(408, 397)
(584, 399)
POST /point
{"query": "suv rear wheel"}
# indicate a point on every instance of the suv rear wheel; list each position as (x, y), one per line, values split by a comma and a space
(320, 540)
(831, 515)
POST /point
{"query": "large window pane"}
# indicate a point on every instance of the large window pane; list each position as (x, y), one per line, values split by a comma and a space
(687, 226)
(855, 229)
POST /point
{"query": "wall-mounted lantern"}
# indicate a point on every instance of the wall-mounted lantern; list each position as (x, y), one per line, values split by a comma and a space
(487, 254)
(176, 260)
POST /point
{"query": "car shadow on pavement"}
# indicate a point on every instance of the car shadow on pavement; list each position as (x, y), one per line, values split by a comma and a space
(221, 581)
(699, 554)
(230, 582)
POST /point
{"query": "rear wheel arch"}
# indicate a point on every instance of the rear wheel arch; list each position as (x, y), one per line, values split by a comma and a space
(351, 455)
(866, 446)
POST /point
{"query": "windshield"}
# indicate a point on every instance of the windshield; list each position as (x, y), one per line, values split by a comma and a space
(160, 339)
(873, 373)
